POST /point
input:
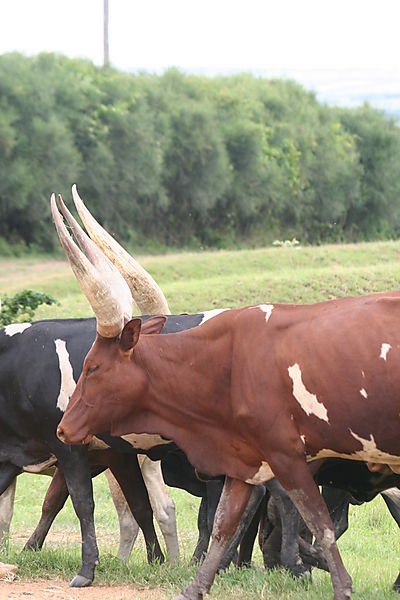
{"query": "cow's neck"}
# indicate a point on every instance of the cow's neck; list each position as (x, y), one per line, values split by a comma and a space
(189, 379)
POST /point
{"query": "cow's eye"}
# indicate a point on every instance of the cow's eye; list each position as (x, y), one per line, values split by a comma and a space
(91, 370)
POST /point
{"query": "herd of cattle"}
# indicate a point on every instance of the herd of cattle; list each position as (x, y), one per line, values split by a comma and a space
(250, 409)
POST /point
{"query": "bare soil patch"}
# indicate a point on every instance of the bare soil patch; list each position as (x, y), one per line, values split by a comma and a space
(60, 590)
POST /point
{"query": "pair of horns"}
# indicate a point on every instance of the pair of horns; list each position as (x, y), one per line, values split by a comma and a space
(108, 276)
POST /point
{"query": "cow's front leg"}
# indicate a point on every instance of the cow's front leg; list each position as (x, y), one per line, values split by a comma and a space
(75, 466)
(232, 504)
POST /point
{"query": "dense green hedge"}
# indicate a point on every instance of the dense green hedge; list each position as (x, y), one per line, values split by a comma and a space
(187, 160)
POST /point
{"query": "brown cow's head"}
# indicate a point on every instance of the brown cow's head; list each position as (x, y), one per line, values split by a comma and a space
(99, 397)
(108, 380)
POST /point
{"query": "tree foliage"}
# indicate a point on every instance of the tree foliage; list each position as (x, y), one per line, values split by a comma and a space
(189, 160)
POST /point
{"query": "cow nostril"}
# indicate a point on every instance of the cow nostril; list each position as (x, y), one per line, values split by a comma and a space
(60, 433)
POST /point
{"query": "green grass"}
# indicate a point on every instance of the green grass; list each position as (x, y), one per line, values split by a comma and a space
(193, 282)
(369, 549)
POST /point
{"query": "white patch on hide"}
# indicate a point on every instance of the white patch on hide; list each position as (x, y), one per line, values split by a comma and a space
(384, 351)
(363, 374)
(67, 378)
(303, 439)
(263, 474)
(369, 446)
(144, 441)
(308, 402)
(16, 328)
(369, 453)
(393, 494)
(39, 467)
(209, 314)
(267, 308)
(363, 393)
(328, 538)
(97, 444)
(395, 468)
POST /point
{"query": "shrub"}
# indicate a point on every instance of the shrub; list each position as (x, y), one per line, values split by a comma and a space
(21, 307)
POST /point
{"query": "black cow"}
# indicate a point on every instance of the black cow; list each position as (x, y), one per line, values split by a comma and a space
(343, 483)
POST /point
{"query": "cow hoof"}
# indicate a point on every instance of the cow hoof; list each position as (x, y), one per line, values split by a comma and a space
(344, 594)
(31, 547)
(80, 581)
(301, 573)
(396, 585)
(306, 577)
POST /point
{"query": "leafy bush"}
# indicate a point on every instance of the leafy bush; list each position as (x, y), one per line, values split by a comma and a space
(21, 307)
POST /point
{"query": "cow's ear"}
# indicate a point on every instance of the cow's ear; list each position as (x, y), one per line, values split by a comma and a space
(154, 324)
(130, 335)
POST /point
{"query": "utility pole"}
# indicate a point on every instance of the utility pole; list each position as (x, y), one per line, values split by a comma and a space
(106, 60)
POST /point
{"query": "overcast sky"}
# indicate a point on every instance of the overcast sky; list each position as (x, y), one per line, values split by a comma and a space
(328, 44)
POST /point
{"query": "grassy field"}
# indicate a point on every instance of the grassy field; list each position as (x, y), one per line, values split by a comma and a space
(194, 282)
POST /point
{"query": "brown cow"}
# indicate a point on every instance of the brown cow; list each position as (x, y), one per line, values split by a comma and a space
(252, 393)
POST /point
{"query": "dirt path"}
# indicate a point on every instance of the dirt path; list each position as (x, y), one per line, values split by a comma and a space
(60, 590)
(33, 272)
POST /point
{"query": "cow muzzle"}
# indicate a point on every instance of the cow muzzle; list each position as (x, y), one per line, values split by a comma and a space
(65, 438)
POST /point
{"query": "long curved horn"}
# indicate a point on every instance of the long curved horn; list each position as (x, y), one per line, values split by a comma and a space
(105, 304)
(145, 291)
(104, 267)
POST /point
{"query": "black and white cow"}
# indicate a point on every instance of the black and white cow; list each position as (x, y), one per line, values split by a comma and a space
(39, 365)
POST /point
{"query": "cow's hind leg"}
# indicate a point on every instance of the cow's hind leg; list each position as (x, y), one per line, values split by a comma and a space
(125, 468)
(396, 585)
(204, 534)
(290, 523)
(232, 504)
(392, 500)
(247, 543)
(162, 504)
(294, 474)
(54, 500)
(6, 510)
(128, 527)
(256, 497)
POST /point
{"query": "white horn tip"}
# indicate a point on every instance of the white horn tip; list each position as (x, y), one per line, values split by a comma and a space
(75, 195)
